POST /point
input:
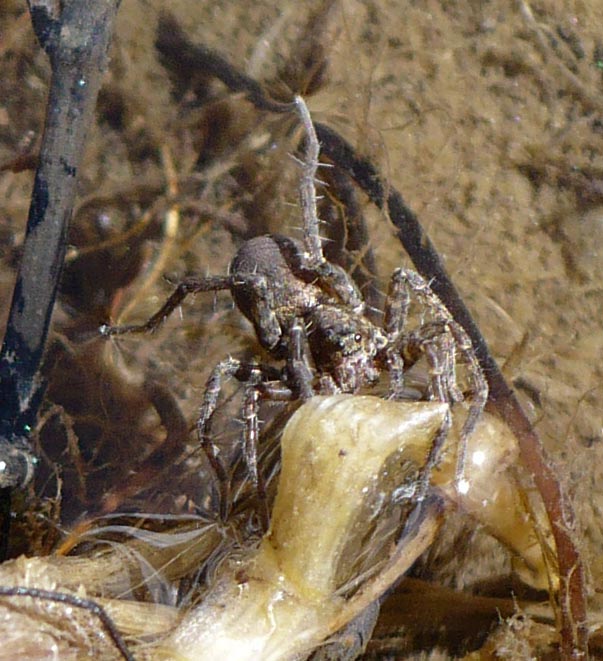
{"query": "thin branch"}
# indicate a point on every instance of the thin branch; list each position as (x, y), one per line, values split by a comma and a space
(75, 34)
(181, 55)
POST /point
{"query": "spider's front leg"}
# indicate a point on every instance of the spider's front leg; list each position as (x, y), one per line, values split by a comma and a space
(251, 293)
(254, 377)
(331, 276)
(394, 322)
(184, 288)
(298, 361)
(437, 351)
(441, 340)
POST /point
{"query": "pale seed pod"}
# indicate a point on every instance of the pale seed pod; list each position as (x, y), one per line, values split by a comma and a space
(281, 602)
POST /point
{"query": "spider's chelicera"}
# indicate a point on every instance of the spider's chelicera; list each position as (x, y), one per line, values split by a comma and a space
(310, 314)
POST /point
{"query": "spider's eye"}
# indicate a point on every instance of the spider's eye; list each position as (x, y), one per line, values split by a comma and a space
(358, 338)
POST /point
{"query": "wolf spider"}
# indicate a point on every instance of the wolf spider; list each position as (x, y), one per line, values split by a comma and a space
(310, 314)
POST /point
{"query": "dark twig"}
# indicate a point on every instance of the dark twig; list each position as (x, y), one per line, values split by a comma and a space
(572, 596)
(181, 55)
(75, 602)
(76, 41)
(75, 34)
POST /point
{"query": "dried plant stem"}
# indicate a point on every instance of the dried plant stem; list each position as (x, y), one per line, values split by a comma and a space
(75, 34)
(572, 598)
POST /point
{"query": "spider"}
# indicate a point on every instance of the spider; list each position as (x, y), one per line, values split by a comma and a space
(310, 314)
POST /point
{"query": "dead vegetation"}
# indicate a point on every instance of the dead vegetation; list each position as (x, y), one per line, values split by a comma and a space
(487, 117)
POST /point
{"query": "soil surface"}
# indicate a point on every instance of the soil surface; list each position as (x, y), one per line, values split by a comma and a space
(486, 116)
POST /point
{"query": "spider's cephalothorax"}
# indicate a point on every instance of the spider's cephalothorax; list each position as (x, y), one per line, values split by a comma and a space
(348, 348)
(309, 313)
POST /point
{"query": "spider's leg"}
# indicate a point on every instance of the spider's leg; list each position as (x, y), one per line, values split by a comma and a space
(222, 370)
(453, 340)
(184, 288)
(261, 385)
(330, 275)
(435, 350)
(396, 306)
(395, 369)
(307, 190)
(479, 396)
(251, 437)
(438, 338)
(254, 287)
(74, 601)
(298, 363)
(394, 322)
(433, 457)
(252, 375)
(439, 330)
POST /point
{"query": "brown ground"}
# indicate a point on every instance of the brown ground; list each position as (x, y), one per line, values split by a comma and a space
(489, 120)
